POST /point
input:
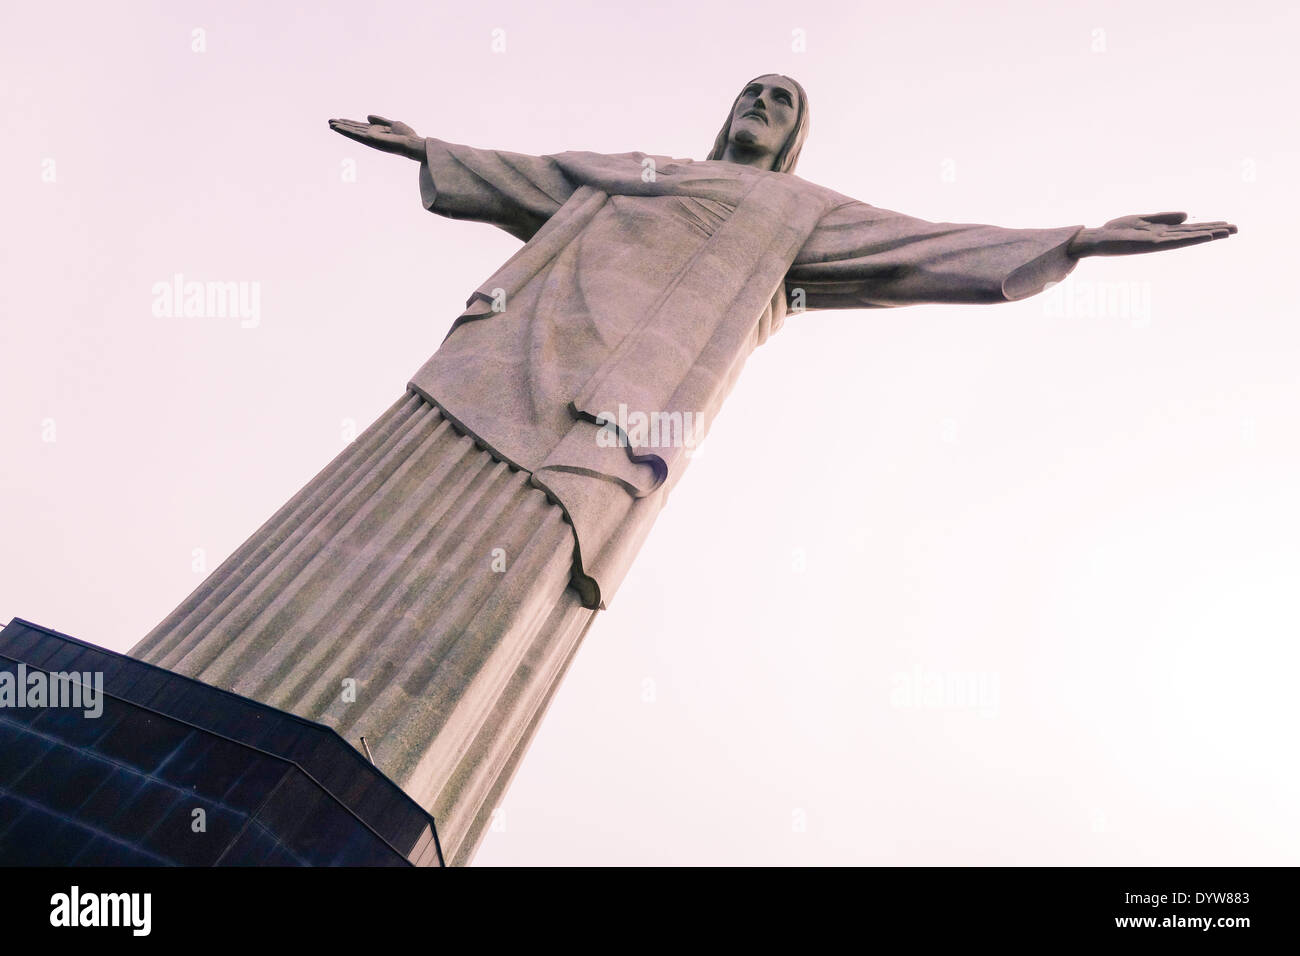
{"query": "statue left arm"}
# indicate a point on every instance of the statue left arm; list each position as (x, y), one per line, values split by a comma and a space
(861, 256)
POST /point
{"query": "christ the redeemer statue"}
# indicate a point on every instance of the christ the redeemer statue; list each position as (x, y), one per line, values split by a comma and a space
(427, 590)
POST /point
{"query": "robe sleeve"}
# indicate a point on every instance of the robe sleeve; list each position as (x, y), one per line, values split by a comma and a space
(518, 193)
(859, 256)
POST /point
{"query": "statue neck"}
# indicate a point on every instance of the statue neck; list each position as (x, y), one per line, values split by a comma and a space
(759, 159)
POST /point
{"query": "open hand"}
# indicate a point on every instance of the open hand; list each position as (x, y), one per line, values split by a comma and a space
(383, 134)
(1155, 232)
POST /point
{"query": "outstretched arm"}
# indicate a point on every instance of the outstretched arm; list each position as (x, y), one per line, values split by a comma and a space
(1130, 235)
(860, 256)
(516, 192)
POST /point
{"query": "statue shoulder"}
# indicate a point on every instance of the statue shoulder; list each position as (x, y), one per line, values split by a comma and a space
(618, 172)
(635, 157)
(828, 198)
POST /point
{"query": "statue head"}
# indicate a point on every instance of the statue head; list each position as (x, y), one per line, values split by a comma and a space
(768, 122)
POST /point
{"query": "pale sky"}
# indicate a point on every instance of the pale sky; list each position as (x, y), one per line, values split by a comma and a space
(1069, 524)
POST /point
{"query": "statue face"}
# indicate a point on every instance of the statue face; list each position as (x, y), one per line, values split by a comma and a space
(765, 115)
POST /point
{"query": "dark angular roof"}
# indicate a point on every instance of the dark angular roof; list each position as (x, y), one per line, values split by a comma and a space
(122, 788)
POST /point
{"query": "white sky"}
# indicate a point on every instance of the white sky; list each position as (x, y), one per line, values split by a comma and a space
(1091, 517)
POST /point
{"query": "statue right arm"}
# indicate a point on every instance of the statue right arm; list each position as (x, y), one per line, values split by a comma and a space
(513, 191)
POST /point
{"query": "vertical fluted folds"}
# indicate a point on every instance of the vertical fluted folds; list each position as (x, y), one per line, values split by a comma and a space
(424, 574)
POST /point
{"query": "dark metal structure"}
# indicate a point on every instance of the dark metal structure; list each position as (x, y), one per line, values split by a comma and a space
(173, 771)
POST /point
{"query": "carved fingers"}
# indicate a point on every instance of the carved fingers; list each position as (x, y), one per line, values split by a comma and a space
(366, 133)
(1154, 232)
(380, 133)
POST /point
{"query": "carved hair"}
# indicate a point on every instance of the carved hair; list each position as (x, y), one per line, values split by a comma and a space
(789, 154)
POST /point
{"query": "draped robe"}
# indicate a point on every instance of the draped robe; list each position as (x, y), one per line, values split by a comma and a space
(645, 282)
